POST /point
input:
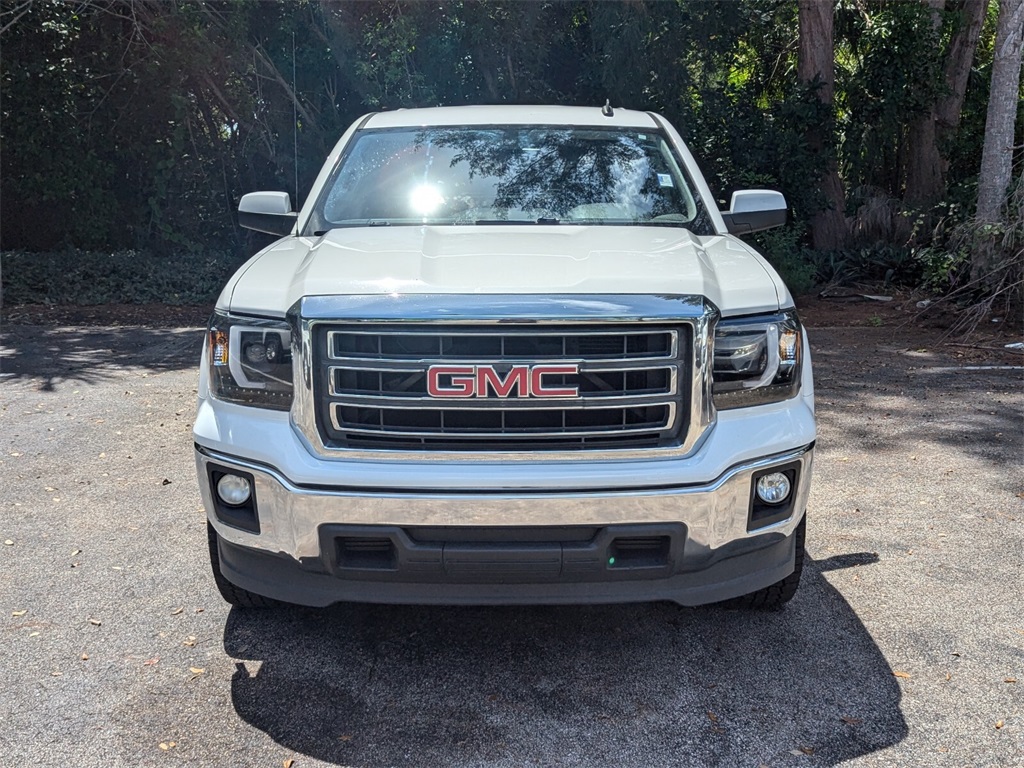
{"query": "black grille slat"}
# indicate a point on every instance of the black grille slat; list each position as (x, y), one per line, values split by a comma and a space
(402, 345)
(640, 543)
(493, 422)
(364, 544)
(348, 381)
(371, 387)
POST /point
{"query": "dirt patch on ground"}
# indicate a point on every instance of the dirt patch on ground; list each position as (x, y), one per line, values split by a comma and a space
(932, 328)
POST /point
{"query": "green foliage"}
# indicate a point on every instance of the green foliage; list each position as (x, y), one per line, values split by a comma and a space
(782, 247)
(121, 277)
(137, 126)
(942, 268)
(890, 71)
(884, 264)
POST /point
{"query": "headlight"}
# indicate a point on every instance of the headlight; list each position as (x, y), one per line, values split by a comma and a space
(757, 360)
(251, 361)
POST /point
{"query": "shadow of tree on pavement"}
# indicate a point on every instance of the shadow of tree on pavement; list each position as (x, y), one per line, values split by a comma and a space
(47, 356)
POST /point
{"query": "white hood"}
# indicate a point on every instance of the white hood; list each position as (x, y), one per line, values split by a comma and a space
(506, 259)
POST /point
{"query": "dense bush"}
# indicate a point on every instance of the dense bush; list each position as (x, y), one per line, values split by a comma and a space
(100, 277)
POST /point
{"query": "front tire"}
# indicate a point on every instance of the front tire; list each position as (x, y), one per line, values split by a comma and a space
(233, 594)
(774, 596)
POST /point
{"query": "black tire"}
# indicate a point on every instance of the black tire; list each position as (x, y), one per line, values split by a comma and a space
(235, 595)
(774, 596)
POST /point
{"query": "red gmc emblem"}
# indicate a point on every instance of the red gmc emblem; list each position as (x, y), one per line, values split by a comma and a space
(485, 381)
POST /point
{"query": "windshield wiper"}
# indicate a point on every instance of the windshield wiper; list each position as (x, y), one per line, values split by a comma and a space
(541, 220)
(356, 223)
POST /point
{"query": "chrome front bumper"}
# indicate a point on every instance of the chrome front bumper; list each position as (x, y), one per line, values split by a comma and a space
(713, 516)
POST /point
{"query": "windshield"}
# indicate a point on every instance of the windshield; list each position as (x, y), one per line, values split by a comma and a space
(509, 175)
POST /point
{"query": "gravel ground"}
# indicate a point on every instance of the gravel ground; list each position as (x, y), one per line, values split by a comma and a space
(904, 646)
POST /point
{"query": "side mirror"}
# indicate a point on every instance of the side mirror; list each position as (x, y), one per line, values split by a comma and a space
(269, 212)
(752, 210)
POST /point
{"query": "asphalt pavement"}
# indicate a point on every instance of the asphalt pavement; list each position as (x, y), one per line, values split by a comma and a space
(904, 645)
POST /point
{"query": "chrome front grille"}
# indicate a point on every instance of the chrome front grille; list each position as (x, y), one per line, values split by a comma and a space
(632, 386)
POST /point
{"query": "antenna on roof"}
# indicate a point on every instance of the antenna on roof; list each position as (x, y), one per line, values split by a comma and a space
(295, 122)
(606, 110)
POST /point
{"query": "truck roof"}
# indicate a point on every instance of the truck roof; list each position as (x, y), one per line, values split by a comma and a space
(510, 115)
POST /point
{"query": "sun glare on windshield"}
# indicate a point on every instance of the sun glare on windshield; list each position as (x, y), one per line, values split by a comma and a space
(426, 199)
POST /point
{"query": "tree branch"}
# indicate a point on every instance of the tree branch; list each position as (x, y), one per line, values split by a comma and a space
(20, 11)
(266, 61)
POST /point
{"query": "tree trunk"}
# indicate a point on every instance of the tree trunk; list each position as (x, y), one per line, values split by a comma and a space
(997, 153)
(924, 185)
(926, 165)
(958, 65)
(924, 175)
(816, 63)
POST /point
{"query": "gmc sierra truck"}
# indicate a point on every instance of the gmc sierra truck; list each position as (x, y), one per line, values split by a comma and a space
(506, 355)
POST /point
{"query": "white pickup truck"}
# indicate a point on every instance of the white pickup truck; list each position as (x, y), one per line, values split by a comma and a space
(506, 355)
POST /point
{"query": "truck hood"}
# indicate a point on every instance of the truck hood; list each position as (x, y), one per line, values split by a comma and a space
(505, 259)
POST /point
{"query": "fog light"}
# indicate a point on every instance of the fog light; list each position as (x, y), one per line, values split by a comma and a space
(233, 490)
(773, 488)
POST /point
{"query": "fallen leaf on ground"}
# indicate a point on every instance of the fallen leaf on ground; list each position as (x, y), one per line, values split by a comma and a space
(1010, 680)
(712, 717)
(165, 745)
(151, 662)
(196, 670)
(9, 543)
(288, 763)
(807, 750)
(76, 552)
(85, 657)
(189, 641)
(33, 634)
(904, 675)
(19, 613)
(96, 622)
(200, 610)
(851, 720)
(345, 737)
(999, 724)
(176, 611)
